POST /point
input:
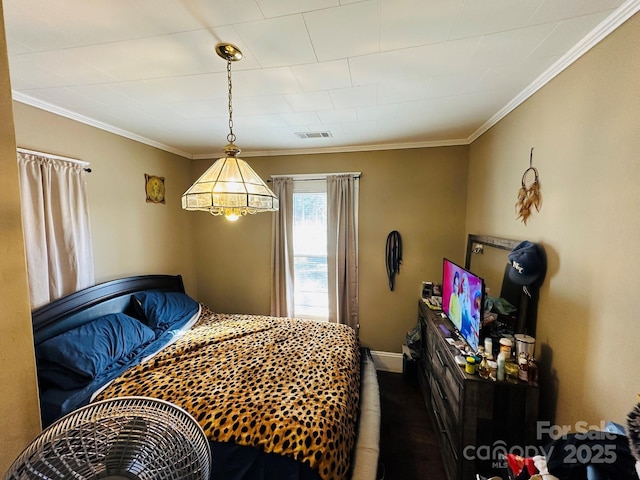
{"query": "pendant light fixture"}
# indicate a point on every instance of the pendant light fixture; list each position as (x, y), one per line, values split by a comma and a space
(230, 187)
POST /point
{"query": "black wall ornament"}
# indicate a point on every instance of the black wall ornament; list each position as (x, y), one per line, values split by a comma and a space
(393, 257)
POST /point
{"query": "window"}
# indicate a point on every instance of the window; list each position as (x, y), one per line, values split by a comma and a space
(311, 289)
(314, 258)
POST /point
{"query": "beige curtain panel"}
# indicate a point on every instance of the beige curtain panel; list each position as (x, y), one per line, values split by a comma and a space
(282, 298)
(55, 220)
(342, 246)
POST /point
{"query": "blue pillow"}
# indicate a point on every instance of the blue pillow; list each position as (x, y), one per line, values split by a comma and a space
(162, 310)
(87, 351)
(51, 375)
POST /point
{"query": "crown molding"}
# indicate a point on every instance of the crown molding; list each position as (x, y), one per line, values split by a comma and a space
(34, 102)
(356, 148)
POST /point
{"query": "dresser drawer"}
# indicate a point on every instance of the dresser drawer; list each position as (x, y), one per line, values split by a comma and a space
(448, 378)
(446, 430)
(448, 420)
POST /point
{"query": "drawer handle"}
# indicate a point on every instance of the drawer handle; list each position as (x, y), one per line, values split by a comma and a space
(441, 426)
(439, 388)
(442, 362)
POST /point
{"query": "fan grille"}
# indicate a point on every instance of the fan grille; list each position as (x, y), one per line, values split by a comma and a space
(134, 438)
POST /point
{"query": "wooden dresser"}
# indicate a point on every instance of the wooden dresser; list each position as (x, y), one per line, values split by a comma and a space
(476, 420)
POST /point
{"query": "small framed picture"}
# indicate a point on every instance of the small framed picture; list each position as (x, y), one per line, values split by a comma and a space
(427, 289)
(154, 188)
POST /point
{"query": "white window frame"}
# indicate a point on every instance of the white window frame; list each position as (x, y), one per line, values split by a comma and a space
(310, 185)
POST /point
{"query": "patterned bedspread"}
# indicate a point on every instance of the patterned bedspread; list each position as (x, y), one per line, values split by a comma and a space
(286, 386)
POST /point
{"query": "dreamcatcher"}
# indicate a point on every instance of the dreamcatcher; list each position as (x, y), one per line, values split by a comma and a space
(529, 193)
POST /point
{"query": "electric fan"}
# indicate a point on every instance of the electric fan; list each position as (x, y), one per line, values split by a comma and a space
(126, 438)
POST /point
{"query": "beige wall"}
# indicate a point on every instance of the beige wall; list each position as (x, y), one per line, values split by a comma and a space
(19, 410)
(585, 127)
(421, 193)
(130, 236)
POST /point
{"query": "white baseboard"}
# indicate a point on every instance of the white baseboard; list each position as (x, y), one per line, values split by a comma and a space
(387, 361)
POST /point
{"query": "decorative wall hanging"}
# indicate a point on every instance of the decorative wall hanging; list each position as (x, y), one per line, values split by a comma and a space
(393, 257)
(154, 188)
(529, 194)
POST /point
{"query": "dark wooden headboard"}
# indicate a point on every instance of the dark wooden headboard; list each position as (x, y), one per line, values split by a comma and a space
(90, 303)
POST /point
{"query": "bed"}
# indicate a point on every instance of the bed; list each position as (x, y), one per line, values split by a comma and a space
(279, 398)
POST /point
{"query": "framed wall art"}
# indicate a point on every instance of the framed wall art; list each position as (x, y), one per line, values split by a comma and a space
(154, 188)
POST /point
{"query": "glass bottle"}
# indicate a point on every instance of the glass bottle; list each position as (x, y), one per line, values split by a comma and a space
(532, 370)
(483, 368)
(523, 366)
(501, 362)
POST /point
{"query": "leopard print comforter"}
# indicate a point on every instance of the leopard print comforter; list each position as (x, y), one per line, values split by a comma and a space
(283, 385)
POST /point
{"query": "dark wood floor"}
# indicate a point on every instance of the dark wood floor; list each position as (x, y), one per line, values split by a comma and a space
(408, 445)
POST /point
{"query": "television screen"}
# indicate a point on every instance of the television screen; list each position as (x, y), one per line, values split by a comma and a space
(462, 301)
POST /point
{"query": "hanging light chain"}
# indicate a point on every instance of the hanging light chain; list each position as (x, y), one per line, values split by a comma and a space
(231, 137)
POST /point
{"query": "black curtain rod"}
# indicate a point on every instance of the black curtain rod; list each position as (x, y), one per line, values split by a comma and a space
(55, 157)
(270, 180)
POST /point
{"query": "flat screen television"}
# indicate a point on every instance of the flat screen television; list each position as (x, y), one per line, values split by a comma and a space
(463, 300)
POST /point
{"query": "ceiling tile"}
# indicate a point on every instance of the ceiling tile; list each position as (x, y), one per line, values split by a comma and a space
(516, 77)
(354, 97)
(27, 75)
(441, 58)
(566, 34)
(104, 95)
(17, 48)
(402, 91)
(305, 102)
(213, 108)
(363, 133)
(217, 14)
(505, 48)
(280, 8)
(62, 64)
(271, 81)
(165, 56)
(338, 115)
(378, 112)
(347, 31)
(380, 67)
(323, 76)
(266, 39)
(402, 28)
(27, 28)
(180, 89)
(247, 122)
(456, 83)
(263, 105)
(300, 118)
(481, 18)
(107, 21)
(128, 118)
(554, 10)
(70, 98)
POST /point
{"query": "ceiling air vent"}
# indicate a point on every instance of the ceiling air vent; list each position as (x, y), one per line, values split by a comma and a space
(305, 135)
